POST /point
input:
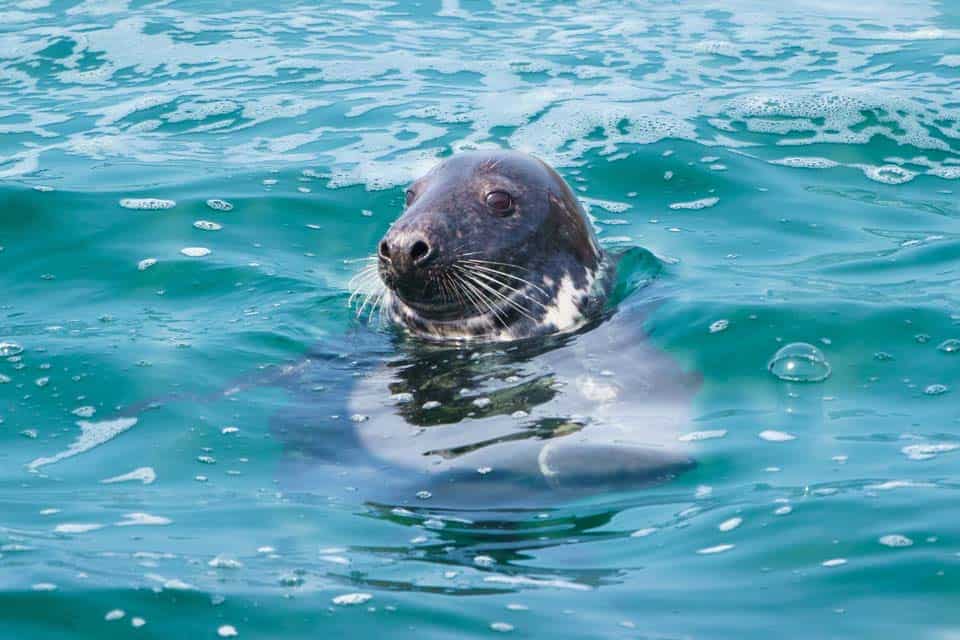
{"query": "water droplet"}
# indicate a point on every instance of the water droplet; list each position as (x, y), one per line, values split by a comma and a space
(227, 631)
(195, 252)
(114, 614)
(424, 495)
(146, 263)
(8, 349)
(835, 562)
(431, 404)
(207, 225)
(502, 627)
(936, 389)
(799, 362)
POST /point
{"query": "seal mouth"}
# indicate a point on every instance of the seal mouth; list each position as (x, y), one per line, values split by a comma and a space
(447, 292)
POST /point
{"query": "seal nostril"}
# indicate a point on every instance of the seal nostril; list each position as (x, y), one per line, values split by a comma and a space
(384, 250)
(419, 252)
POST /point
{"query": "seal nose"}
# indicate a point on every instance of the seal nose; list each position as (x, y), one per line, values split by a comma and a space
(407, 252)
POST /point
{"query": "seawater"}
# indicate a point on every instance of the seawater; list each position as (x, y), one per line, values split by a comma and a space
(186, 189)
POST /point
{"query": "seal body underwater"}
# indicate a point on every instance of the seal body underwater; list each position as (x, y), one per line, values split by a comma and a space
(514, 382)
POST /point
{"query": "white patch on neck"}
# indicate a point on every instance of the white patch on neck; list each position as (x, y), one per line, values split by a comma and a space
(565, 313)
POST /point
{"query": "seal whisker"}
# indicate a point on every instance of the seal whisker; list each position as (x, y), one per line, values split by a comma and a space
(513, 303)
(498, 272)
(476, 294)
(519, 292)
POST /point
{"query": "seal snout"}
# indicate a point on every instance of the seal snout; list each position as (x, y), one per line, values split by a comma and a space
(406, 252)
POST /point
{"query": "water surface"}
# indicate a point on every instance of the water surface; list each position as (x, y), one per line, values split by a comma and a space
(793, 166)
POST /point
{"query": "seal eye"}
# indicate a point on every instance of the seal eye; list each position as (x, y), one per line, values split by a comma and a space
(409, 197)
(500, 202)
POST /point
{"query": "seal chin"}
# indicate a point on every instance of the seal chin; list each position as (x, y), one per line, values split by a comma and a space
(433, 310)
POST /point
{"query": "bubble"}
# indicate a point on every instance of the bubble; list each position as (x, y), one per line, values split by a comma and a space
(720, 548)
(227, 631)
(430, 404)
(895, 540)
(219, 205)
(502, 627)
(950, 346)
(146, 263)
(9, 349)
(114, 614)
(147, 204)
(834, 562)
(349, 599)
(719, 326)
(731, 524)
(776, 436)
(207, 225)
(936, 389)
(224, 562)
(799, 362)
(195, 252)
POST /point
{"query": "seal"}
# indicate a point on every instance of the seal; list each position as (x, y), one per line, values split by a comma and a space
(516, 395)
(492, 245)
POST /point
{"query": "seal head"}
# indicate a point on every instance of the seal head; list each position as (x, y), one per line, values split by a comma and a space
(492, 245)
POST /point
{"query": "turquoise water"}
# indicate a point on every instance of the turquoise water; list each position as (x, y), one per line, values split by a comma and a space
(820, 143)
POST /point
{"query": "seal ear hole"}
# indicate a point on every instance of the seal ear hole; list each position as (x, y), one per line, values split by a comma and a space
(419, 251)
(408, 197)
(384, 250)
